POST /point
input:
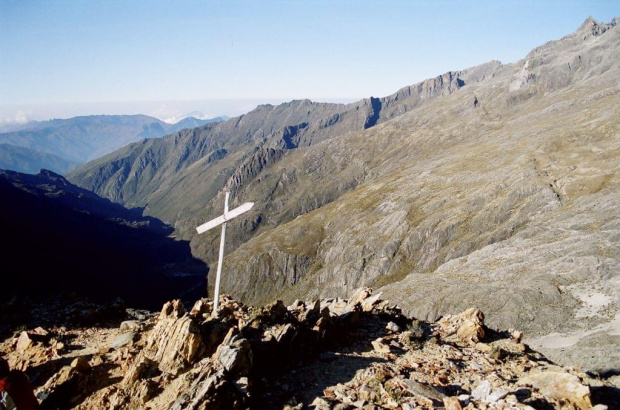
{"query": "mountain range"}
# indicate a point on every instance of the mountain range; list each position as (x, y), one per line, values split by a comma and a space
(62, 144)
(495, 185)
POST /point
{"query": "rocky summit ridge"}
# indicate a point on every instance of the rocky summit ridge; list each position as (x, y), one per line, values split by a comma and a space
(361, 352)
(509, 204)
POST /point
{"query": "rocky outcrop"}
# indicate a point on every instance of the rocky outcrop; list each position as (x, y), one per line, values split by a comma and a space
(176, 341)
(560, 63)
(261, 158)
(324, 354)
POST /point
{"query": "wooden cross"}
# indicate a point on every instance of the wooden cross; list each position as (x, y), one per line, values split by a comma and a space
(221, 220)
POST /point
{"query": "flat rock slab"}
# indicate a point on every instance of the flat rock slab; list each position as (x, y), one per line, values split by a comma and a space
(123, 339)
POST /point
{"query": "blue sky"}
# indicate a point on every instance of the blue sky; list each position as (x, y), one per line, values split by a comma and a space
(166, 58)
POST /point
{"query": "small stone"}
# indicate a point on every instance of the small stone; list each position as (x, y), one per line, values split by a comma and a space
(557, 385)
(130, 326)
(40, 331)
(521, 348)
(511, 398)
(201, 308)
(320, 404)
(475, 365)
(421, 390)
(123, 339)
(396, 344)
(379, 346)
(516, 335)
(392, 327)
(470, 331)
(496, 395)
(483, 347)
(464, 398)
(96, 361)
(80, 364)
(242, 385)
(391, 403)
(482, 391)
(23, 342)
(498, 353)
(452, 403)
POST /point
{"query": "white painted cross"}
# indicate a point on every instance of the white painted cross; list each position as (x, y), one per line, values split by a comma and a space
(221, 220)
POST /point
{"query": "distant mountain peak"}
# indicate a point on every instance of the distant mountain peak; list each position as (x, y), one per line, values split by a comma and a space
(588, 29)
(592, 28)
(52, 176)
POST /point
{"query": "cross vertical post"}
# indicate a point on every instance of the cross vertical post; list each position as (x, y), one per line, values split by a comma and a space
(221, 220)
(220, 260)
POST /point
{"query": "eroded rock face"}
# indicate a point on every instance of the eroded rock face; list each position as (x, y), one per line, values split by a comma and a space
(468, 326)
(176, 341)
(330, 353)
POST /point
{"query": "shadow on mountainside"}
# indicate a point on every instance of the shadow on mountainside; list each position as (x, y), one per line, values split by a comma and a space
(63, 309)
(60, 238)
(338, 362)
(305, 383)
(69, 380)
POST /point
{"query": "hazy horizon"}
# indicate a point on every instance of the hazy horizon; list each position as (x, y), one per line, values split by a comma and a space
(167, 111)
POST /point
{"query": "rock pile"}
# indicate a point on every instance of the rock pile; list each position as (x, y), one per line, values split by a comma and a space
(333, 353)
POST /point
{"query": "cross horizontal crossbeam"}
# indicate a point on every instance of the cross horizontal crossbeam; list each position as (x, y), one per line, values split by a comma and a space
(225, 218)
